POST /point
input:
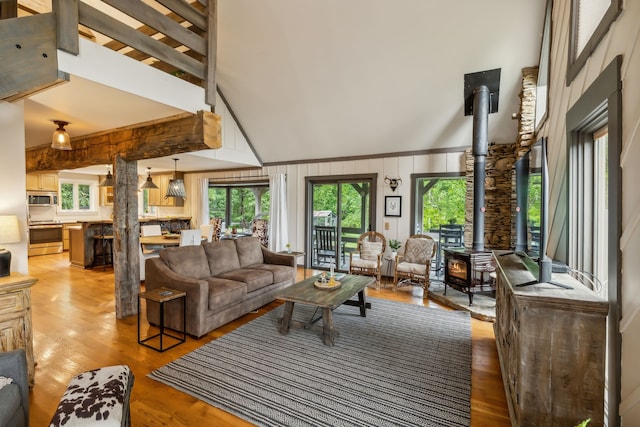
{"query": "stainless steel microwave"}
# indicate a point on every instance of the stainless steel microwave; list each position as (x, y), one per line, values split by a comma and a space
(42, 198)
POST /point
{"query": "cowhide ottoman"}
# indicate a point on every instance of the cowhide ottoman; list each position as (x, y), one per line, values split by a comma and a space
(98, 397)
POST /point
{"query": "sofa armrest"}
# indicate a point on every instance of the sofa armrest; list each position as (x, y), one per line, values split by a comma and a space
(13, 364)
(271, 257)
(159, 275)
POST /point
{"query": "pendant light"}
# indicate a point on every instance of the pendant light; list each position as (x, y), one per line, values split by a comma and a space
(149, 182)
(176, 186)
(60, 139)
(108, 181)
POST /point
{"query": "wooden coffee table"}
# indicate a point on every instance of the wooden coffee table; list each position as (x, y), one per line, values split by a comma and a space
(305, 292)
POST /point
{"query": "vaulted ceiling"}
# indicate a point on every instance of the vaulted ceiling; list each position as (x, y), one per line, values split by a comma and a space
(317, 79)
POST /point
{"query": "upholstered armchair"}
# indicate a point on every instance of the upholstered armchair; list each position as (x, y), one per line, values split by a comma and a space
(14, 397)
(260, 229)
(367, 259)
(216, 223)
(413, 262)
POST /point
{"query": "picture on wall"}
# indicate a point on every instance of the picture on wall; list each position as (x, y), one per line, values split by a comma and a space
(393, 206)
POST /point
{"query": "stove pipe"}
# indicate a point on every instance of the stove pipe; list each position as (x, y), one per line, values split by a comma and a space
(522, 192)
(479, 150)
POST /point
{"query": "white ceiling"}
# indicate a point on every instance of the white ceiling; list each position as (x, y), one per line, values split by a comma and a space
(317, 79)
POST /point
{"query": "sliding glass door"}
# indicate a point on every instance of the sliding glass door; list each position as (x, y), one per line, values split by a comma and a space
(339, 210)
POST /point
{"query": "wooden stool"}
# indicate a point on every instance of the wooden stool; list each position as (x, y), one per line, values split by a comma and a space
(98, 397)
(105, 245)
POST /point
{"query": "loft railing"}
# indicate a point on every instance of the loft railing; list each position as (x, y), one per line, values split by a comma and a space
(172, 35)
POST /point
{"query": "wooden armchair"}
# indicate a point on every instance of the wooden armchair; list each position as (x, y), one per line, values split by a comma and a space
(367, 259)
(414, 261)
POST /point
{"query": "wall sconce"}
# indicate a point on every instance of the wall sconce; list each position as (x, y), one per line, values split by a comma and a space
(60, 139)
(176, 186)
(149, 182)
(9, 233)
(393, 182)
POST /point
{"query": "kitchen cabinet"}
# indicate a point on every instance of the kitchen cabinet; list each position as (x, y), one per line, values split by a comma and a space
(77, 246)
(156, 196)
(42, 181)
(106, 196)
(65, 235)
(551, 345)
(15, 317)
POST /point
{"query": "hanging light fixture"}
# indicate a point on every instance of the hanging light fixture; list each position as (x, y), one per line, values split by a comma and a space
(149, 182)
(176, 186)
(60, 139)
(108, 181)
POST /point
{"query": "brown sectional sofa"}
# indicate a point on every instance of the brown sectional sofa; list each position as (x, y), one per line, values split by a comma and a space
(223, 281)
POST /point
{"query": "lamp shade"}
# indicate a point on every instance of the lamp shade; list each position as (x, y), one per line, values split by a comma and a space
(176, 188)
(108, 181)
(9, 233)
(176, 185)
(9, 229)
(60, 139)
(149, 182)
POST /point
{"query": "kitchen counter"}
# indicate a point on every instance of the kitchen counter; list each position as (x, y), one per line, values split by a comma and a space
(81, 239)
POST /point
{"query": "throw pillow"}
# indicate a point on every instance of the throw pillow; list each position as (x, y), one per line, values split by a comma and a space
(417, 251)
(370, 250)
(5, 381)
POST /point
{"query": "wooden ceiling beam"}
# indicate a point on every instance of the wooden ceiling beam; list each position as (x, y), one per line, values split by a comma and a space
(159, 138)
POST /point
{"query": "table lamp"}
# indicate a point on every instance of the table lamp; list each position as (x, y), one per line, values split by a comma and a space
(9, 233)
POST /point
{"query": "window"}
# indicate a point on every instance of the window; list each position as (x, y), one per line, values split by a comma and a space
(438, 200)
(77, 196)
(593, 231)
(590, 21)
(239, 204)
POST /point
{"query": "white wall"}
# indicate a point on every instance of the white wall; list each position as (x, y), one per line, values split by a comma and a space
(394, 167)
(12, 172)
(623, 39)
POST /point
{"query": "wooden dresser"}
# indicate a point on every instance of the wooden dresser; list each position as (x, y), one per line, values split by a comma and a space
(551, 344)
(15, 316)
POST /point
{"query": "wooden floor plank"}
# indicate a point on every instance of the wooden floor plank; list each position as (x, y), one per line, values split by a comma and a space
(75, 329)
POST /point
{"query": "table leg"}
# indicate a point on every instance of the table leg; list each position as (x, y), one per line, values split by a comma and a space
(138, 318)
(285, 321)
(329, 334)
(363, 303)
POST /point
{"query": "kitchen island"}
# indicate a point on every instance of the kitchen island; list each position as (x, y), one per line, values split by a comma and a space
(81, 236)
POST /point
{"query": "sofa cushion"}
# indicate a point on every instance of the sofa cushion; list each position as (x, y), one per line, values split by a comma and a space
(11, 412)
(187, 261)
(249, 251)
(280, 272)
(370, 250)
(222, 256)
(223, 292)
(418, 251)
(254, 278)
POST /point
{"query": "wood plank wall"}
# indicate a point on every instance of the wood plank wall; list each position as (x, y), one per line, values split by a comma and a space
(623, 38)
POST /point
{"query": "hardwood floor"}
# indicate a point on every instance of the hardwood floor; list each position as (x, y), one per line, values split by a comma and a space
(75, 329)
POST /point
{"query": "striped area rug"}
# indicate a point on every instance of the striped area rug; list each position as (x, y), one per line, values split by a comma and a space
(402, 365)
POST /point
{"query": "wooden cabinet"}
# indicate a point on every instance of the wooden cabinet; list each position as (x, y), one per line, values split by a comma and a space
(15, 317)
(551, 344)
(65, 235)
(42, 181)
(106, 196)
(156, 196)
(77, 246)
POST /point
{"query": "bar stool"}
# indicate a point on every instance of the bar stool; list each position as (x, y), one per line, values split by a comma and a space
(102, 250)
